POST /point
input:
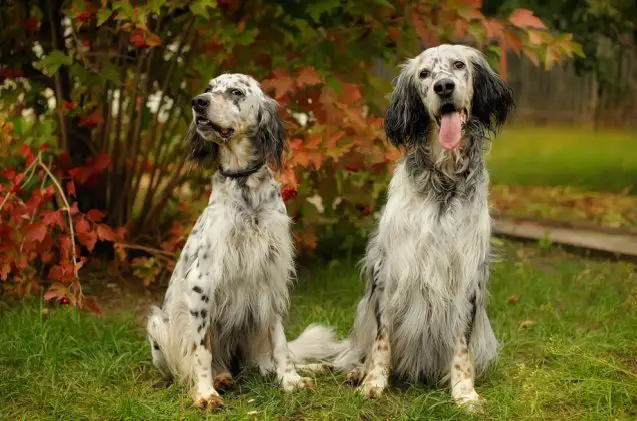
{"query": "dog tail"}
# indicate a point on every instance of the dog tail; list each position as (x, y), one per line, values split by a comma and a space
(483, 345)
(317, 342)
(166, 333)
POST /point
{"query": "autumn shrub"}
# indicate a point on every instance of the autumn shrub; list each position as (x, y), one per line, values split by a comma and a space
(114, 79)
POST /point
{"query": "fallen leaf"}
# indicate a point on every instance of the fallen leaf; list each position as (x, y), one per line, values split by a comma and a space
(525, 324)
(513, 299)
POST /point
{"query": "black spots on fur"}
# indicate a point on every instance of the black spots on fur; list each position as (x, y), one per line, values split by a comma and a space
(406, 119)
(204, 298)
(199, 329)
(200, 275)
(204, 313)
(197, 289)
(194, 313)
(205, 256)
(202, 342)
(155, 346)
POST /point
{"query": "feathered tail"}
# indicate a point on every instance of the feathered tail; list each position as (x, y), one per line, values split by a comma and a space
(317, 342)
(166, 333)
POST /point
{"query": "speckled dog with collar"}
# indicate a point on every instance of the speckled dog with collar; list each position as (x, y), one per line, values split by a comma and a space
(228, 294)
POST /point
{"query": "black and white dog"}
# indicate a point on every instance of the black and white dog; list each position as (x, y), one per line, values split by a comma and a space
(228, 294)
(424, 315)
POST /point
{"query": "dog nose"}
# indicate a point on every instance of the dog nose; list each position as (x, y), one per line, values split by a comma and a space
(444, 87)
(200, 101)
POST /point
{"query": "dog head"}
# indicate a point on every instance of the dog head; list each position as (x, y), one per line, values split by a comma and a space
(232, 108)
(440, 91)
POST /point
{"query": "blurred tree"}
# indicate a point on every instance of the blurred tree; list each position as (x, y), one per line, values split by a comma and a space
(114, 77)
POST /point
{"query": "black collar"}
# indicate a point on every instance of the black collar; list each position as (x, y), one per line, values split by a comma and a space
(241, 173)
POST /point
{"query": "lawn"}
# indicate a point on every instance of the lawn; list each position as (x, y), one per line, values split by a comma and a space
(602, 160)
(574, 358)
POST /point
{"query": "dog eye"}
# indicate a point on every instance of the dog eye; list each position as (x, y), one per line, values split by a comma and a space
(458, 65)
(424, 74)
(237, 92)
(208, 89)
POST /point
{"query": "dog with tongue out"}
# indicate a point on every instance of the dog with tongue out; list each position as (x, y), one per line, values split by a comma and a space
(424, 312)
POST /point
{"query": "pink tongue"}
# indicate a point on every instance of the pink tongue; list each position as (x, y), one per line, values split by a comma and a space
(450, 131)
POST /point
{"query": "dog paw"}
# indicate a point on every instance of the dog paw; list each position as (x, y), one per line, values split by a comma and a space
(297, 382)
(222, 381)
(209, 403)
(471, 401)
(355, 376)
(372, 387)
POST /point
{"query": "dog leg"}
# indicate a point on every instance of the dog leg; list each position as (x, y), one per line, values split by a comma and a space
(206, 397)
(462, 375)
(283, 364)
(377, 366)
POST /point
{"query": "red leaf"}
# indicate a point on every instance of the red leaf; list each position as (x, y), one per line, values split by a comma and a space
(524, 18)
(82, 226)
(105, 233)
(70, 189)
(281, 82)
(137, 38)
(307, 76)
(92, 306)
(52, 217)
(95, 215)
(92, 120)
(35, 232)
(102, 162)
(55, 292)
(9, 173)
(288, 193)
(493, 28)
(81, 174)
(88, 239)
(144, 39)
(4, 273)
(55, 273)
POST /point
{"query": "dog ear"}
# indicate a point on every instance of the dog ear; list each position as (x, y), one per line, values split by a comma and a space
(406, 118)
(492, 97)
(270, 134)
(202, 152)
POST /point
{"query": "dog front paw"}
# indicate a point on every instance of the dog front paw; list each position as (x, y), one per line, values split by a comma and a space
(209, 403)
(297, 382)
(471, 401)
(373, 386)
(355, 376)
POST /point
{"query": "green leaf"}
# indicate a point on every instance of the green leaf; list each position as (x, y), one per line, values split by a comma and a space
(103, 15)
(577, 49)
(52, 62)
(155, 5)
(200, 7)
(317, 8)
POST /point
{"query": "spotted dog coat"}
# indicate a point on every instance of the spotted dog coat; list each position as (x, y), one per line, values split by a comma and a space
(228, 294)
(423, 316)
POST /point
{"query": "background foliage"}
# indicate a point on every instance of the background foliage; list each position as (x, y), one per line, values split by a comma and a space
(97, 94)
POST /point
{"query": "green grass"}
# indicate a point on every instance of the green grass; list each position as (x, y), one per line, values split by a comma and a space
(577, 361)
(603, 160)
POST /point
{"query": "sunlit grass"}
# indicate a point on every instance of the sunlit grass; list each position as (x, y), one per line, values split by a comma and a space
(604, 160)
